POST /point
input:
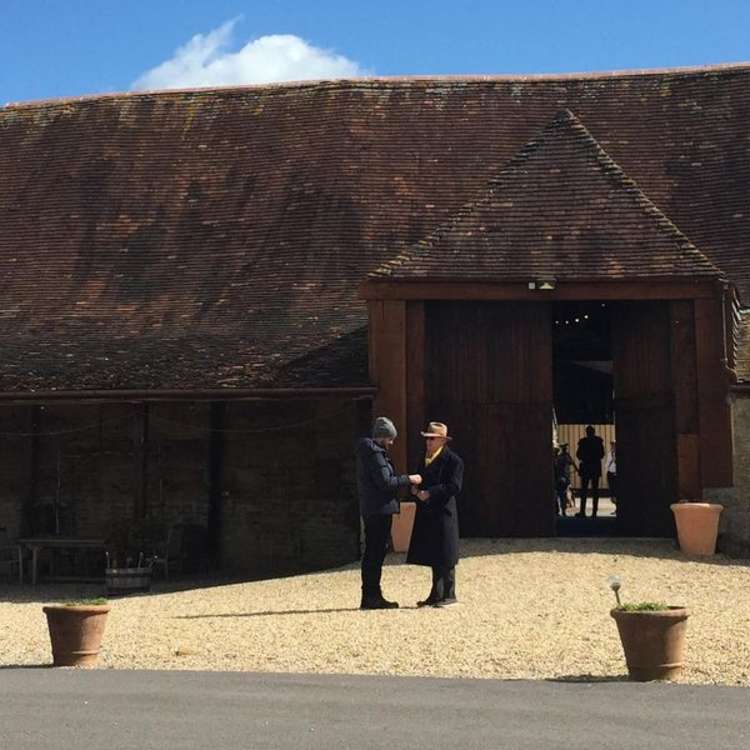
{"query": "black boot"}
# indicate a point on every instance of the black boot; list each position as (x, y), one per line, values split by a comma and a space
(377, 602)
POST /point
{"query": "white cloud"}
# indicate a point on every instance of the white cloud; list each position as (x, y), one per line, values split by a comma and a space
(206, 61)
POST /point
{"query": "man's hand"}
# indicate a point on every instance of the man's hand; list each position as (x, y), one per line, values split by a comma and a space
(415, 478)
(423, 495)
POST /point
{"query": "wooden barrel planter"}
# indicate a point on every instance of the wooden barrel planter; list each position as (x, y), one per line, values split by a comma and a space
(121, 581)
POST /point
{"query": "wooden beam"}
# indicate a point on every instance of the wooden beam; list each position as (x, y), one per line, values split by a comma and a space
(683, 365)
(30, 497)
(140, 506)
(229, 394)
(388, 368)
(216, 479)
(714, 414)
(579, 290)
(415, 381)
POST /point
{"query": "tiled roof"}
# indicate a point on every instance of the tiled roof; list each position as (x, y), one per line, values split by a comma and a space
(217, 238)
(561, 207)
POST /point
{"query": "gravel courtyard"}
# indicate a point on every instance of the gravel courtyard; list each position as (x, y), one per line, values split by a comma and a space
(530, 609)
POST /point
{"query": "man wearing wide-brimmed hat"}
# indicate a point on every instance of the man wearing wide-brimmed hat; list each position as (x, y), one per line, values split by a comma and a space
(434, 539)
(378, 484)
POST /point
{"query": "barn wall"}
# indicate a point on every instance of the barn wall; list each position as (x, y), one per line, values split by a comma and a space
(288, 491)
(734, 528)
(289, 485)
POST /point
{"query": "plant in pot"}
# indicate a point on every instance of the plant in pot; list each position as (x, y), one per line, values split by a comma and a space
(652, 636)
(697, 526)
(76, 630)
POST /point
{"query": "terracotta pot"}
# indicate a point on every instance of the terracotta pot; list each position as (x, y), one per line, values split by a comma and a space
(653, 642)
(76, 633)
(697, 526)
(403, 523)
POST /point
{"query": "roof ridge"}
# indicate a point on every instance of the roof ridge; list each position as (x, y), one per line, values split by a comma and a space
(373, 81)
(609, 167)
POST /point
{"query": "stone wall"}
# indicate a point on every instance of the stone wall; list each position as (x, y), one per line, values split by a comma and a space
(286, 470)
(734, 528)
(289, 484)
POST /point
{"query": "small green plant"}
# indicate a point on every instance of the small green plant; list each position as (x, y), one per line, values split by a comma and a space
(615, 584)
(97, 601)
(643, 607)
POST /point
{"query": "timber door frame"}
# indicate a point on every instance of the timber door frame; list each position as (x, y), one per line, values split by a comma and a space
(704, 447)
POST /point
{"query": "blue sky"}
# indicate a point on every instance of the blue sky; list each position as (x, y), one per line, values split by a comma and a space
(57, 48)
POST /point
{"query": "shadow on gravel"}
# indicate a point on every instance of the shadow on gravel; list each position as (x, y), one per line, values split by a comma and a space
(268, 613)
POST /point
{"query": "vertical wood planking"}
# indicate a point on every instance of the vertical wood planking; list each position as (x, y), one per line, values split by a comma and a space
(415, 382)
(685, 383)
(713, 409)
(489, 376)
(645, 417)
(388, 369)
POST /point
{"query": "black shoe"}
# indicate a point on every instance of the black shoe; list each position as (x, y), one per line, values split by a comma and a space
(377, 602)
(449, 602)
(430, 601)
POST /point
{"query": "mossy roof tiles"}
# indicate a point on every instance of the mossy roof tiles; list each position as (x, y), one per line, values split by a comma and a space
(559, 208)
(217, 238)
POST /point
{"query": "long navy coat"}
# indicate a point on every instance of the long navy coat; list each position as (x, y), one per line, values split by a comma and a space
(434, 539)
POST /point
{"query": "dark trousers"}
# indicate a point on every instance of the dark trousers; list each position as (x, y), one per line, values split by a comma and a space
(561, 494)
(443, 584)
(593, 480)
(377, 532)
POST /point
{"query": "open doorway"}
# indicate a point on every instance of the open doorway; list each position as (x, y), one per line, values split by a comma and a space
(583, 397)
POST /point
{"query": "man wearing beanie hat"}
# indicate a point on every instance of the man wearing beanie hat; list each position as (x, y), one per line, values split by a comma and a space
(378, 483)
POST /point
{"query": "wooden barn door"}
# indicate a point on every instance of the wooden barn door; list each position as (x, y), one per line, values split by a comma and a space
(644, 418)
(488, 374)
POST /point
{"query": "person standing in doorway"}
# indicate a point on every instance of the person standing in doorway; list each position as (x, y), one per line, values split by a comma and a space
(590, 454)
(610, 466)
(378, 485)
(434, 539)
(564, 467)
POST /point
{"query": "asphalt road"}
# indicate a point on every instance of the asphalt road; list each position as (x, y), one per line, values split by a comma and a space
(44, 708)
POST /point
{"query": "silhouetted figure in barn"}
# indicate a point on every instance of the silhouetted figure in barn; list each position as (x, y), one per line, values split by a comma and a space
(564, 467)
(610, 466)
(590, 454)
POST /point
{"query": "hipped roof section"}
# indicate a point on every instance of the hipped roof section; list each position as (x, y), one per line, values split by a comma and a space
(561, 208)
(218, 238)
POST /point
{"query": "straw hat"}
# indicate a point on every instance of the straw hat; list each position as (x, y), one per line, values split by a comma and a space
(436, 429)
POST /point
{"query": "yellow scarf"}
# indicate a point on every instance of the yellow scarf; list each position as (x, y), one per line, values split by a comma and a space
(429, 459)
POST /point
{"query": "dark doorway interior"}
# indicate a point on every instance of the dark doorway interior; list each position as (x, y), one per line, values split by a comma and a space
(582, 363)
(583, 395)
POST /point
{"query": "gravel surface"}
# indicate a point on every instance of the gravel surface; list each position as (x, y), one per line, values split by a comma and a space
(529, 609)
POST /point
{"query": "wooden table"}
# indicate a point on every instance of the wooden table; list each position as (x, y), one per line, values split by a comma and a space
(35, 544)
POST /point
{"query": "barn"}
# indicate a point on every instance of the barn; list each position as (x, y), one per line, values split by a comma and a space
(208, 293)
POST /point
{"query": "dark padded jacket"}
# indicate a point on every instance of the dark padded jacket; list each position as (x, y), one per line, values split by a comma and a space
(377, 481)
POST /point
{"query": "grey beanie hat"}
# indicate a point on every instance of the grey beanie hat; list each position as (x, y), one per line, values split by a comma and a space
(383, 428)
